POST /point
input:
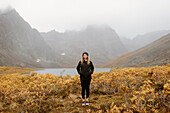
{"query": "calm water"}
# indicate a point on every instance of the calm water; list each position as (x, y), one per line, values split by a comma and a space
(65, 71)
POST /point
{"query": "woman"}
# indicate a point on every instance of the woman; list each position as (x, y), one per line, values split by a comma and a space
(85, 68)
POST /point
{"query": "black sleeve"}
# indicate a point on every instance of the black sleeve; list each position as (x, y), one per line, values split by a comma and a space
(78, 67)
(92, 68)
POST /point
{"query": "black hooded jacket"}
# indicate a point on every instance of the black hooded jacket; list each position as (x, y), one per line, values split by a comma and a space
(85, 70)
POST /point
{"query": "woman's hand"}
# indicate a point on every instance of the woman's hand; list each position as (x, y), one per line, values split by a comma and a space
(80, 72)
(90, 72)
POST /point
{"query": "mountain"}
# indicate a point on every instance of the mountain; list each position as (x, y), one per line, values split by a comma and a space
(101, 42)
(21, 45)
(142, 40)
(156, 53)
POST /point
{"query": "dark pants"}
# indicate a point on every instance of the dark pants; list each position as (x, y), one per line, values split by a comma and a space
(85, 84)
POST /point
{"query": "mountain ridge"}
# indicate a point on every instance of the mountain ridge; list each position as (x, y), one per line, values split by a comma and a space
(156, 53)
(102, 43)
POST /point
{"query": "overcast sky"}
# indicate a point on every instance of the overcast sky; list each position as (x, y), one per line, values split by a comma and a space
(127, 17)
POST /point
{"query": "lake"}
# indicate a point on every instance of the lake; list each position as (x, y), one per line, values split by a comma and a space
(65, 71)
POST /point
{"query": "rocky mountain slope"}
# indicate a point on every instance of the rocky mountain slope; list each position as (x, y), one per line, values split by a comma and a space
(21, 45)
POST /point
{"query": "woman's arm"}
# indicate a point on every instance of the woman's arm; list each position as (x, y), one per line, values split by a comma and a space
(92, 67)
(78, 67)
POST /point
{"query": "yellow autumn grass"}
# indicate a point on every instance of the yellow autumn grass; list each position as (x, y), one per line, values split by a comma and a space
(142, 89)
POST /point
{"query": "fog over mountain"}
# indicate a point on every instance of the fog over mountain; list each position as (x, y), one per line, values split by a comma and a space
(127, 17)
(102, 43)
(22, 45)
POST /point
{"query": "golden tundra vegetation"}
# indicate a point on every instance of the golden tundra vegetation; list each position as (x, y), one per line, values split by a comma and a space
(121, 90)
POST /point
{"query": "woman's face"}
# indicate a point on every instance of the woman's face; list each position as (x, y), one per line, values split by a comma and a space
(85, 56)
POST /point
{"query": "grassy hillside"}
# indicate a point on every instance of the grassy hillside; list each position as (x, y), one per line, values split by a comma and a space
(156, 53)
(126, 90)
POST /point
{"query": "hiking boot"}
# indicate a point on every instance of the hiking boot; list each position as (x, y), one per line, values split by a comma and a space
(87, 103)
(83, 103)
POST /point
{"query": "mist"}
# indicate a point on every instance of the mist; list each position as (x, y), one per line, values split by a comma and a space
(5, 10)
(128, 18)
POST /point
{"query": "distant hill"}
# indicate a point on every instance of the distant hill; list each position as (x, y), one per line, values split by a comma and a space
(101, 42)
(142, 40)
(156, 53)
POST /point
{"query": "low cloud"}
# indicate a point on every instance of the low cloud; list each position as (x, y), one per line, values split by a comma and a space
(6, 9)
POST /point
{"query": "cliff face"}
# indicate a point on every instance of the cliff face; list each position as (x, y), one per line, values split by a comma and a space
(156, 53)
(20, 42)
(101, 42)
